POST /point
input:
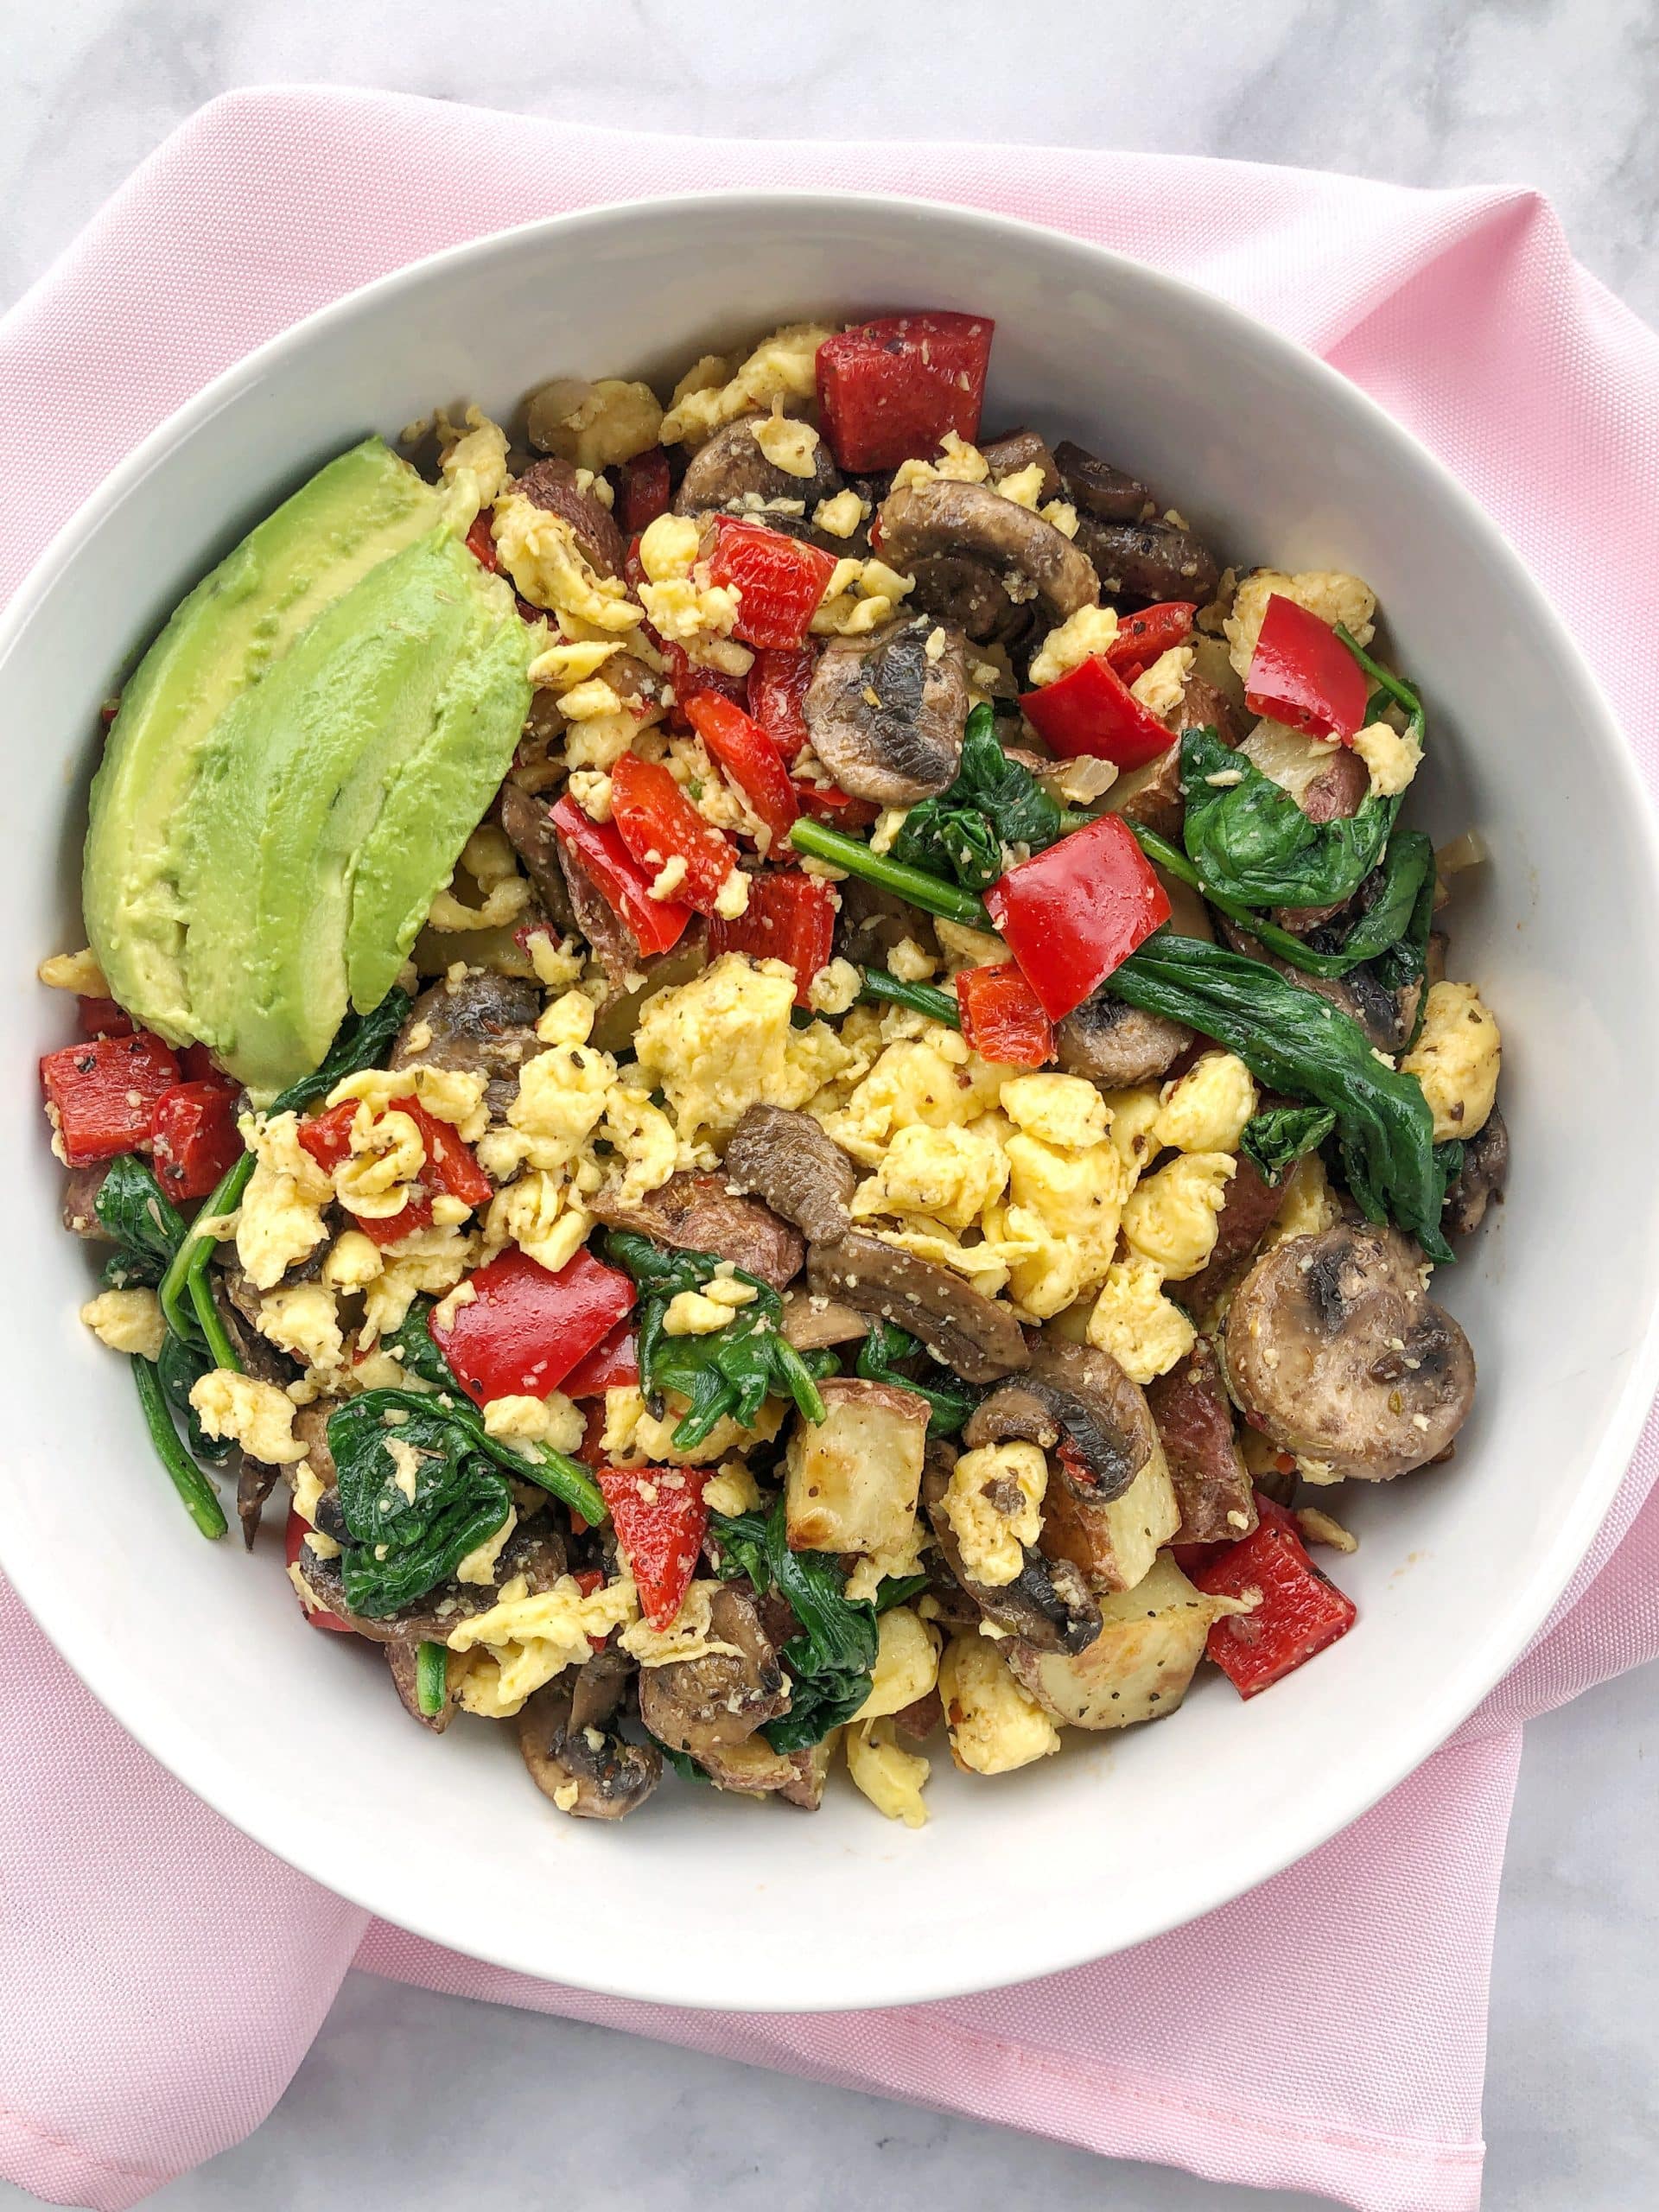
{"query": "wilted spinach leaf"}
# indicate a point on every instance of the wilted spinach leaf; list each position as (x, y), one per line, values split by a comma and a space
(417, 1493)
(147, 1228)
(878, 1362)
(364, 1041)
(1276, 1139)
(1250, 841)
(994, 802)
(733, 1370)
(831, 1662)
(183, 1362)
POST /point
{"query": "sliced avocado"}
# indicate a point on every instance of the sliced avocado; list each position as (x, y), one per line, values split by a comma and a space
(223, 642)
(370, 749)
(436, 800)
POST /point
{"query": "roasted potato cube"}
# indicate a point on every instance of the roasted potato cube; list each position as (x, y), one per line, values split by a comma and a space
(1137, 1668)
(1114, 1541)
(851, 1480)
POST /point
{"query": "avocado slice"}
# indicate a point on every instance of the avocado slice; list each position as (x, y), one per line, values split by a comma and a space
(223, 641)
(333, 800)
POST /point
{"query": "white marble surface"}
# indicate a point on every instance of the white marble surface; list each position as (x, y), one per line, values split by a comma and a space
(1555, 93)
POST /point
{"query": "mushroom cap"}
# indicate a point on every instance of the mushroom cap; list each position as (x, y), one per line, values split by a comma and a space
(886, 716)
(943, 517)
(1335, 1350)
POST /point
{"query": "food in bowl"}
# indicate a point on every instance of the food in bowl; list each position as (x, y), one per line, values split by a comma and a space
(791, 1064)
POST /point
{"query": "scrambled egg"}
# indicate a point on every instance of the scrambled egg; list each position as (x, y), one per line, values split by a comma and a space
(280, 1219)
(1089, 631)
(449, 1095)
(633, 1436)
(303, 1321)
(933, 1079)
(1169, 1218)
(1146, 1332)
(871, 1570)
(563, 1092)
(682, 602)
(1206, 1109)
(993, 1502)
(1060, 1109)
(840, 515)
(386, 1157)
(75, 971)
(860, 596)
(689, 1635)
(595, 426)
(428, 1262)
(1456, 1059)
(704, 1313)
(256, 1415)
(723, 1042)
(952, 1175)
(1310, 1205)
(995, 1726)
(479, 1564)
(731, 1490)
(892, 1779)
(906, 1663)
(527, 1639)
(958, 463)
(1328, 593)
(543, 1215)
(788, 443)
(473, 456)
(1134, 1116)
(782, 367)
(539, 551)
(127, 1320)
(1393, 757)
(1161, 687)
(554, 1419)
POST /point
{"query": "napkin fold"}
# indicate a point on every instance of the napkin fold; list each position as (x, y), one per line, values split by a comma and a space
(164, 1975)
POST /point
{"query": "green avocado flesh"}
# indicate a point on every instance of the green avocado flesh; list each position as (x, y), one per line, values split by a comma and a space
(296, 767)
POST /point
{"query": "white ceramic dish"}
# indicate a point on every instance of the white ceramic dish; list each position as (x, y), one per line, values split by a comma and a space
(297, 1739)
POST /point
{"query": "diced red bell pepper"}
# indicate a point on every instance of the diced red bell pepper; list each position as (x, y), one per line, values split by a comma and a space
(1074, 913)
(888, 390)
(104, 1094)
(197, 1064)
(790, 916)
(1002, 1017)
(658, 825)
(828, 802)
(524, 1329)
(196, 1139)
(1301, 1611)
(611, 1365)
(690, 679)
(1092, 710)
(660, 1518)
(295, 1531)
(449, 1163)
(750, 758)
(1142, 639)
(778, 682)
(779, 579)
(383, 1228)
(103, 1018)
(327, 1136)
(588, 1578)
(481, 542)
(1302, 674)
(658, 924)
(645, 491)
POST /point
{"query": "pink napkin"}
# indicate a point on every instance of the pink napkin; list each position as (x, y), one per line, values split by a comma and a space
(165, 1975)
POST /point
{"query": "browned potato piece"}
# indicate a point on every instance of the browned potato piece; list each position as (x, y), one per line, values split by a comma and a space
(1115, 1542)
(851, 1480)
(1137, 1668)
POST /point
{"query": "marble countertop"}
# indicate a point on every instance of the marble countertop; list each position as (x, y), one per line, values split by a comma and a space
(1558, 94)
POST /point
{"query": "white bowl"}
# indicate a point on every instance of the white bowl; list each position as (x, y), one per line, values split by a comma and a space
(295, 1736)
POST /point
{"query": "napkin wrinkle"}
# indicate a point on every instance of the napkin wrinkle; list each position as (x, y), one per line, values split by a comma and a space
(1326, 2031)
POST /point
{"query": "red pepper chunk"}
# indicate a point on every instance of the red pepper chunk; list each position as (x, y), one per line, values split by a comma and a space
(524, 1329)
(790, 916)
(295, 1532)
(645, 491)
(449, 1163)
(196, 1139)
(103, 1018)
(660, 1518)
(1300, 1610)
(658, 924)
(779, 579)
(888, 390)
(778, 681)
(1073, 913)
(1142, 639)
(104, 1094)
(382, 1228)
(750, 758)
(1302, 674)
(1092, 710)
(327, 1137)
(481, 543)
(828, 802)
(612, 1365)
(658, 825)
(1002, 1017)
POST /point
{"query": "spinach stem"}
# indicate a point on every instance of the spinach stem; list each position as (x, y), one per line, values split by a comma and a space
(196, 1249)
(199, 1498)
(881, 988)
(431, 1678)
(914, 885)
(212, 1328)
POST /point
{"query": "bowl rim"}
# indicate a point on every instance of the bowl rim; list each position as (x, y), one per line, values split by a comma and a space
(295, 1835)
